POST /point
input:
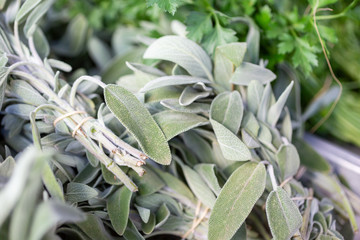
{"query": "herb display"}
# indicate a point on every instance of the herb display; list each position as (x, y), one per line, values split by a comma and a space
(185, 134)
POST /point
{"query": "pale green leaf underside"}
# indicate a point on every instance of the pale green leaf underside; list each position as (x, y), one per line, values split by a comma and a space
(173, 123)
(236, 200)
(247, 72)
(182, 51)
(283, 215)
(231, 146)
(138, 121)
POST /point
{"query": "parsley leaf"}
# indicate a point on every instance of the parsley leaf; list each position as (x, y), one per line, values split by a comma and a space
(198, 24)
(166, 5)
(304, 55)
(217, 37)
(287, 43)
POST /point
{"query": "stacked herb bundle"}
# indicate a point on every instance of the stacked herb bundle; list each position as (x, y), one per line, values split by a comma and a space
(239, 164)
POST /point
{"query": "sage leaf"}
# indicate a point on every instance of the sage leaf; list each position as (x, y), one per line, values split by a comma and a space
(7, 167)
(207, 172)
(27, 93)
(154, 201)
(235, 52)
(231, 146)
(144, 213)
(173, 123)
(50, 214)
(227, 108)
(283, 215)
(35, 16)
(182, 51)
(193, 108)
(247, 72)
(288, 160)
(276, 109)
(162, 215)
(190, 95)
(149, 226)
(149, 183)
(236, 200)
(264, 104)
(138, 121)
(78, 192)
(132, 233)
(254, 94)
(172, 81)
(94, 228)
(118, 206)
(199, 187)
(99, 52)
(26, 7)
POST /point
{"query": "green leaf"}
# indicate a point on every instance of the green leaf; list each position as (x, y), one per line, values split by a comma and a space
(193, 108)
(276, 109)
(283, 215)
(149, 183)
(207, 172)
(166, 5)
(199, 187)
(109, 177)
(254, 94)
(154, 201)
(132, 233)
(78, 192)
(171, 81)
(144, 213)
(138, 121)
(173, 123)
(51, 184)
(197, 25)
(162, 215)
(305, 55)
(231, 146)
(227, 109)
(236, 200)
(182, 51)
(287, 43)
(217, 37)
(310, 158)
(288, 160)
(247, 72)
(7, 167)
(149, 226)
(94, 228)
(26, 8)
(118, 206)
(50, 214)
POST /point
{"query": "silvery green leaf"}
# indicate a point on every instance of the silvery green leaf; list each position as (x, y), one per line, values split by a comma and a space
(249, 141)
(41, 44)
(138, 121)
(94, 228)
(199, 187)
(27, 6)
(276, 109)
(286, 127)
(131, 232)
(162, 215)
(149, 226)
(231, 146)
(254, 94)
(247, 72)
(98, 51)
(154, 201)
(177, 70)
(10, 193)
(73, 41)
(190, 95)
(198, 146)
(172, 81)
(182, 51)
(118, 206)
(173, 104)
(223, 70)
(78, 192)
(178, 28)
(7, 167)
(2, 4)
(207, 172)
(92, 159)
(173, 123)
(235, 52)
(131, 82)
(253, 42)
(149, 183)
(63, 66)
(35, 16)
(27, 93)
(264, 104)
(265, 137)
(23, 111)
(236, 200)
(288, 160)
(144, 213)
(3, 62)
(41, 126)
(164, 93)
(145, 71)
(49, 214)
(250, 124)
(283, 215)
(87, 175)
(227, 108)
(12, 124)
(175, 184)
(117, 66)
